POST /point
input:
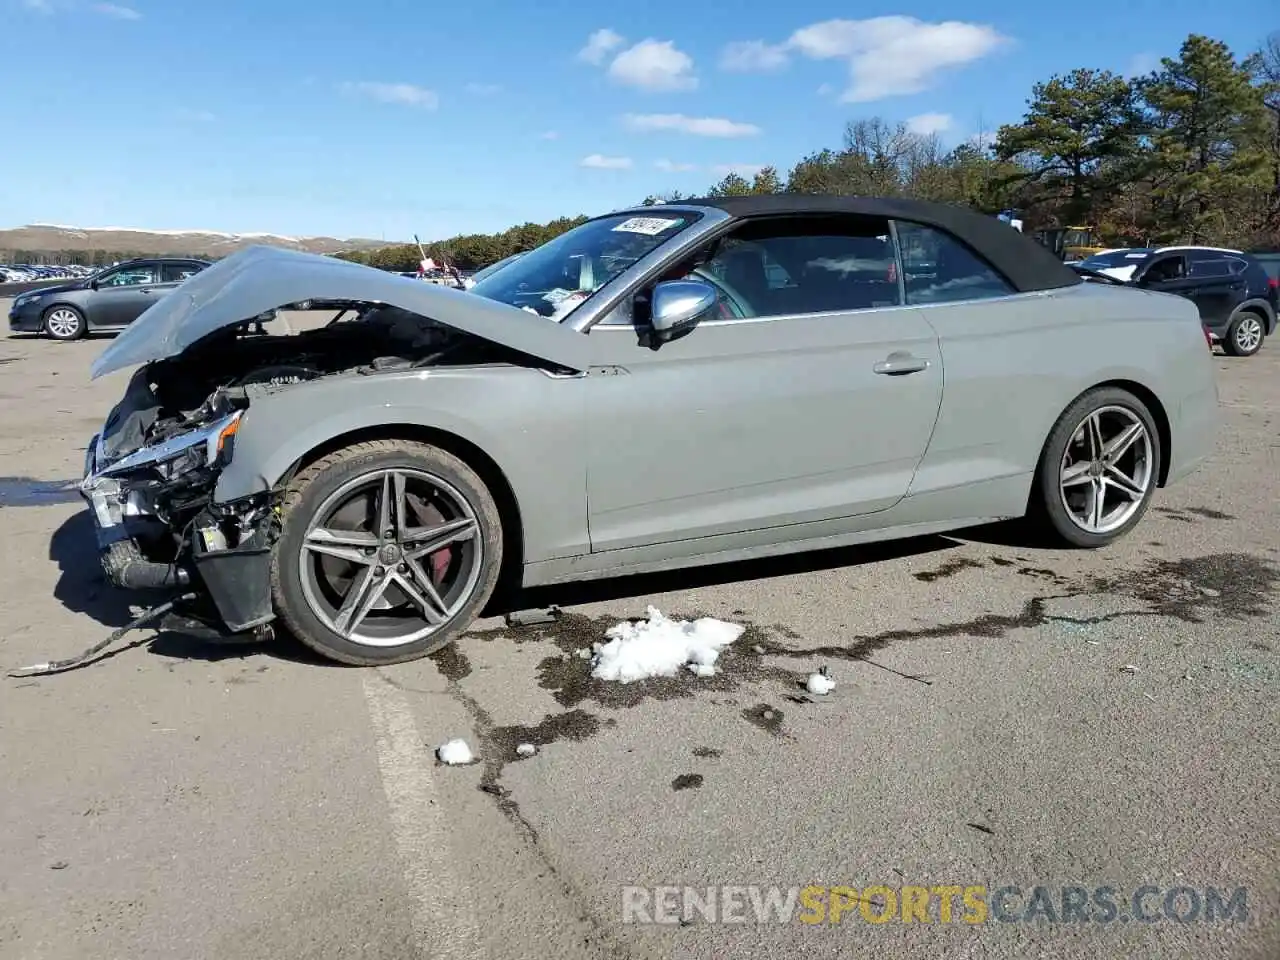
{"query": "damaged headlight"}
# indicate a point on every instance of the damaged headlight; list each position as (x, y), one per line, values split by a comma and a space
(207, 446)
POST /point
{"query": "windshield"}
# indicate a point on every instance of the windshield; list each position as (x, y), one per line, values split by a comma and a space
(1115, 258)
(495, 267)
(556, 278)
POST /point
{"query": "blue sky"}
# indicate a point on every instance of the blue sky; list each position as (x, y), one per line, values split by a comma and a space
(390, 117)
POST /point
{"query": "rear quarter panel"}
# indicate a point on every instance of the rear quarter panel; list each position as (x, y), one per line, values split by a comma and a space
(527, 422)
(1013, 365)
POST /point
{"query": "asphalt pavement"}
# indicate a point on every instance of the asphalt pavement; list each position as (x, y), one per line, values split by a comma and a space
(1004, 715)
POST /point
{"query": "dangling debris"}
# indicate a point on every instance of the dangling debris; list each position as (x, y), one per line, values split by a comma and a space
(57, 666)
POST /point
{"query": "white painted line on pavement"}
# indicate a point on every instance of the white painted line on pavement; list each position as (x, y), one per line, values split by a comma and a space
(444, 909)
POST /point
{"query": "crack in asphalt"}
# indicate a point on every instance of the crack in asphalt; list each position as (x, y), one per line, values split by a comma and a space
(496, 749)
(1231, 585)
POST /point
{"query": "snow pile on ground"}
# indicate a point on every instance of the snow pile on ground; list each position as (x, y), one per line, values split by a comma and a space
(820, 684)
(659, 647)
(454, 753)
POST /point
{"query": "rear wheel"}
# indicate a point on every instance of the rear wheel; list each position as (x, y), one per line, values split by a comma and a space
(1099, 469)
(388, 552)
(1244, 334)
(64, 323)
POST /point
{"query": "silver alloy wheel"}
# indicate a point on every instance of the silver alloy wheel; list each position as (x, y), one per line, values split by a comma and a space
(1248, 333)
(1107, 469)
(63, 323)
(368, 561)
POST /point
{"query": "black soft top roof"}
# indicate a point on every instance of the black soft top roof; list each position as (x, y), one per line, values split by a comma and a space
(1028, 265)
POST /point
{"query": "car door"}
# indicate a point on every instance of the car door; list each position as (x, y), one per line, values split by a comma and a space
(1168, 273)
(1216, 284)
(809, 395)
(124, 293)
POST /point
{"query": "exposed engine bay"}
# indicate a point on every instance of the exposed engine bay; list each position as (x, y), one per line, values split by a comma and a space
(151, 472)
(226, 370)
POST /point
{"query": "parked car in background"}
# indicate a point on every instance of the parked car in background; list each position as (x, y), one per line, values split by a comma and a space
(106, 301)
(1270, 260)
(658, 387)
(1237, 299)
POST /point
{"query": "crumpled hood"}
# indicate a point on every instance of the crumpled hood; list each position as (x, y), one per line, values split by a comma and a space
(260, 278)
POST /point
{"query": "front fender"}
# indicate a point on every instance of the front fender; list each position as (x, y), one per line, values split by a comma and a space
(528, 422)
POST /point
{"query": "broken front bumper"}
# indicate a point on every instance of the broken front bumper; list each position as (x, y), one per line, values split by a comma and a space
(234, 571)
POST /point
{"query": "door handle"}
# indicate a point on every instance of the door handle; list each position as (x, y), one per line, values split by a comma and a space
(897, 364)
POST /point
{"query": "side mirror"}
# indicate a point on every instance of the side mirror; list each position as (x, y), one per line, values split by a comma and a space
(677, 306)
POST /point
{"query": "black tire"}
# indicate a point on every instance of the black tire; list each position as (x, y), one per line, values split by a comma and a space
(1046, 509)
(1250, 325)
(61, 315)
(307, 493)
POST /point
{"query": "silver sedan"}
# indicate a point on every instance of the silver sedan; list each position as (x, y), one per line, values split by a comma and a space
(666, 386)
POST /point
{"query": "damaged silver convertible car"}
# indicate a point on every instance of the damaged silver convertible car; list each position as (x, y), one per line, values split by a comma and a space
(667, 386)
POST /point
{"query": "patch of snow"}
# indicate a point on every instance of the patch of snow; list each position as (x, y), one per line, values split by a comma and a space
(660, 647)
(820, 684)
(454, 753)
(526, 750)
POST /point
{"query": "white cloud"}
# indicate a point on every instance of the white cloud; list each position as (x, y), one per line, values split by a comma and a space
(886, 56)
(654, 65)
(599, 45)
(697, 126)
(668, 167)
(197, 116)
(826, 90)
(484, 89)
(40, 6)
(549, 135)
(752, 56)
(741, 169)
(117, 11)
(402, 93)
(599, 162)
(929, 123)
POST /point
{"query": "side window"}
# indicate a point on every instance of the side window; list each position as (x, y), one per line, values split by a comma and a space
(1205, 269)
(177, 272)
(800, 266)
(1166, 268)
(131, 276)
(938, 268)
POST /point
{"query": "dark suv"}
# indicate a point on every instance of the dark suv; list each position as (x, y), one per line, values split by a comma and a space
(1238, 301)
(109, 300)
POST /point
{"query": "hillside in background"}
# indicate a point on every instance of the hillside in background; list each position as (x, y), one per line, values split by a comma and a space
(38, 238)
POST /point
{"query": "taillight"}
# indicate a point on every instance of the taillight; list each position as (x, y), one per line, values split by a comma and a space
(1273, 282)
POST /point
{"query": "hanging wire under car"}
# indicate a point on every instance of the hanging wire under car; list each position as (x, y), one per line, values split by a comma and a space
(57, 666)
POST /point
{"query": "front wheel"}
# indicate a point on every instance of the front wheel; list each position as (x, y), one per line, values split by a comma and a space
(65, 323)
(388, 551)
(1099, 469)
(1244, 335)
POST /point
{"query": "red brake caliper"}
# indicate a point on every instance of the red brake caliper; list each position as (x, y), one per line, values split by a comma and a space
(437, 562)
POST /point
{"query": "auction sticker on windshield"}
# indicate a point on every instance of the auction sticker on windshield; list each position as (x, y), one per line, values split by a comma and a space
(649, 226)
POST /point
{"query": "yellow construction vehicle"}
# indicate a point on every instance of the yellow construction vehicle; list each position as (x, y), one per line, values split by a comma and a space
(1071, 243)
